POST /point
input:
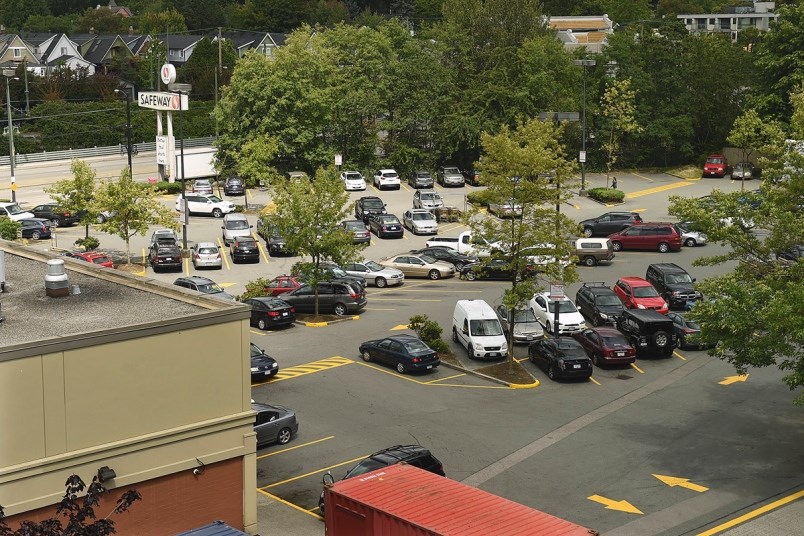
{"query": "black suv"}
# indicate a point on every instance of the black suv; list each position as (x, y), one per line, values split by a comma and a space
(610, 222)
(234, 186)
(164, 254)
(275, 242)
(368, 205)
(649, 331)
(599, 303)
(674, 284)
(54, 213)
(414, 455)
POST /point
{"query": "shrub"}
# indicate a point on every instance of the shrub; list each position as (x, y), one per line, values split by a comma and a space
(428, 331)
(89, 243)
(480, 198)
(255, 289)
(607, 195)
(8, 228)
(166, 187)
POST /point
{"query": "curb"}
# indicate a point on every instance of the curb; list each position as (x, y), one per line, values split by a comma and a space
(328, 322)
(533, 385)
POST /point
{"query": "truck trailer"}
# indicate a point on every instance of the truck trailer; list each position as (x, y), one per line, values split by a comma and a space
(404, 500)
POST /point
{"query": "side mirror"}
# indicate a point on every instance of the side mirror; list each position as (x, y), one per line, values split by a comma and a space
(464, 331)
(693, 280)
(222, 227)
(328, 479)
(251, 227)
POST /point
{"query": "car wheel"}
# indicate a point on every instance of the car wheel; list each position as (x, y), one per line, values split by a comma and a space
(690, 242)
(380, 282)
(35, 235)
(470, 351)
(617, 246)
(595, 320)
(339, 309)
(217, 213)
(366, 356)
(471, 275)
(664, 247)
(458, 266)
(261, 324)
(589, 260)
(454, 335)
(551, 372)
(588, 232)
(549, 328)
(284, 436)
(661, 339)
(400, 368)
(434, 274)
(595, 360)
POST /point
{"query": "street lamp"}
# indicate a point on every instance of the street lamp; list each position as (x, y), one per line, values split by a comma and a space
(9, 74)
(128, 130)
(182, 89)
(585, 64)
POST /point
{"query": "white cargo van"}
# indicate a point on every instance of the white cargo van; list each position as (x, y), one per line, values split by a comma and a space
(476, 327)
(234, 226)
(463, 243)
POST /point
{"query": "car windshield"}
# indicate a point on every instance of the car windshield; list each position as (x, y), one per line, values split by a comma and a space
(208, 251)
(373, 266)
(14, 209)
(423, 216)
(675, 279)
(645, 292)
(431, 197)
(522, 316)
(202, 184)
(614, 340)
(100, 260)
(365, 466)
(693, 325)
(237, 224)
(422, 175)
(209, 288)
(390, 175)
(389, 219)
(355, 225)
(372, 203)
(246, 243)
(428, 259)
(567, 344)
(714, 160)
(337, 272)
(452, 170)
(487, 327)
(564, 306)
(608, 300)
(415, 347)
(353, 177)
(234, 180)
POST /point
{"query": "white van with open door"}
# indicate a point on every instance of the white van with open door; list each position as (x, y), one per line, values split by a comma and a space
(476, 327)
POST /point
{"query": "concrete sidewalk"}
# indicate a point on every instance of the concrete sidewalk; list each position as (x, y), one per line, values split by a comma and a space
(276, 518)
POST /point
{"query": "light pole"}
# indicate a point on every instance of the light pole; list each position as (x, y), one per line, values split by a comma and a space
(11, 155)
(585, 64)
(128, 130)
(182, 89)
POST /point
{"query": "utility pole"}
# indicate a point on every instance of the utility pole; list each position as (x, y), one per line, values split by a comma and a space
(11, 155)
(220, 52)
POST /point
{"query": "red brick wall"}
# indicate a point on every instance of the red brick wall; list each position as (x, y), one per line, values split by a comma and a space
(173, 503)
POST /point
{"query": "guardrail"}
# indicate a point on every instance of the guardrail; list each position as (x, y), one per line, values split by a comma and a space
(90, 152)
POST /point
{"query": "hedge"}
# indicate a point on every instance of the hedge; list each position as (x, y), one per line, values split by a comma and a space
(607, 195)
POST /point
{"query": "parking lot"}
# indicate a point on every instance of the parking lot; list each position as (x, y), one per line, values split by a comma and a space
(573, 449)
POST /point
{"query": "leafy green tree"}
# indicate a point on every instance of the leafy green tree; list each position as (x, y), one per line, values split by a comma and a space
(253, 161)
(50, 23)
(76, 195)
(103, 21)
(749, 132)
(307, 215)
(133, 207)
(202, 14)
(528, 167)
(14, 13)
(200, 68)
(159, 22)
(617, 107)
(8, 228)
(797, 119)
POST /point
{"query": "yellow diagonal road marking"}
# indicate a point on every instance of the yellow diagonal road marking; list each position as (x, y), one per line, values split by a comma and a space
(313, 472)
(296, 447)
(657, 189)
(283, 501)
(310, 368)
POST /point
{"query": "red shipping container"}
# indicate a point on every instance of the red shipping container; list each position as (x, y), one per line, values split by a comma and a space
(402, 500)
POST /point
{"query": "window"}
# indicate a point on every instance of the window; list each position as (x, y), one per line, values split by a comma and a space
(633, 231)
(63, 51)
(395, 347)
(17, 53)
(385, 344)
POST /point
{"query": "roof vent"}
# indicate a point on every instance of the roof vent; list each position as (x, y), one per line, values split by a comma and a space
(56, 283)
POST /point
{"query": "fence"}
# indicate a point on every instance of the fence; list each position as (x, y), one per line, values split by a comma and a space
(112, 150)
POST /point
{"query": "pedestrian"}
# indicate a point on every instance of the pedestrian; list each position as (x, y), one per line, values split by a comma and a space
(614, 183)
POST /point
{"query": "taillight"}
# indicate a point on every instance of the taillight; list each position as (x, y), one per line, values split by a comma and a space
(66, 214)
(417, 359)
(273, 314)
(292, 309)
(354, 295)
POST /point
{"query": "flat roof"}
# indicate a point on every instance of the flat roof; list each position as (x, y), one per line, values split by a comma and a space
(111, 305)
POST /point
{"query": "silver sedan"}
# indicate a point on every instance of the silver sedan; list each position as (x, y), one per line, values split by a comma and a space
(375, 274)
(206, 255)
(420, 221)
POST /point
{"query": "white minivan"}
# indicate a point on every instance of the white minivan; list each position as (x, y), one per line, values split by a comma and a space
(476, 327)
(235, 226)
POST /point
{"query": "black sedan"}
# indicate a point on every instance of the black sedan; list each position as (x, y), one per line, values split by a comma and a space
(386, 226)
(268, 311)
(244, 248)
(563, 357)
(496, 269)
(687, 331)
(263, 366)
(35, 228)
(405, 352)
(447, 254)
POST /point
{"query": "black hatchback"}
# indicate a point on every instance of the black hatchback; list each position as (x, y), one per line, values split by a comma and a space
(563, 357)
(234, 186)
(35, 228)
(268, 311)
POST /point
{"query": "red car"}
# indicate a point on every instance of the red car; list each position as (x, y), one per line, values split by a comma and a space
(636, 293)
(282, 284)
(94, 257)
(656, 236)
(606, 346)
(716, 166)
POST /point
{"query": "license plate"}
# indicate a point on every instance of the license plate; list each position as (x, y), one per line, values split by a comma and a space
(168, 259)
(620, 354)
(494, 354)
(246, 250)
(429, 366)
(285, 313)
(530, 337)
(576, 366)
(267, 373)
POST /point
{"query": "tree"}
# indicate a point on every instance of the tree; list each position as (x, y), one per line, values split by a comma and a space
(528, 167)
(133, 207)
(76, 195)
(749, 132)
(307, 215)
(617, 107)
(14, 13)
(103, 21)
(79, 514)
(200, 68)
(169, 20)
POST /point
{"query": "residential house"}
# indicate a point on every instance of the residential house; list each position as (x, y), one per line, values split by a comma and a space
(123, 11)
(101, 50)
(14, 51)
(180, 47)
(56, 51)
(733, 20)
(264, 43)
(588, 32)
(137, 44)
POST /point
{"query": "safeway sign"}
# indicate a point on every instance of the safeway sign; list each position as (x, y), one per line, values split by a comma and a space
(156, 100)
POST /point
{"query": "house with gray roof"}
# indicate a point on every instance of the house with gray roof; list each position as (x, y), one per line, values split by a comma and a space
(101, 50)
(265, 43)
(56, 51)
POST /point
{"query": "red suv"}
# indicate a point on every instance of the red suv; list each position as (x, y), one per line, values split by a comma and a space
(648, 235)
(716, 166)
(637, 293)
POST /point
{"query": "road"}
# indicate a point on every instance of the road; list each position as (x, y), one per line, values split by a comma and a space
(668, 447)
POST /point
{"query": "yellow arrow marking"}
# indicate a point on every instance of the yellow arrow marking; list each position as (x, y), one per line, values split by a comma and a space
(399, 327)
(674, 481)
(657, 189)
(611, 504)
(728, 380)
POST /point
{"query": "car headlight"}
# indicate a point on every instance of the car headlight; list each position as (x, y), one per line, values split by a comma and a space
(640, 306)
(275, 365)
(255, 369)
(504, 347)
(676, 293)
(604, 316)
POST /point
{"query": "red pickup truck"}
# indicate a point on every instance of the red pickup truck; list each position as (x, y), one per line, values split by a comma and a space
(716, 166)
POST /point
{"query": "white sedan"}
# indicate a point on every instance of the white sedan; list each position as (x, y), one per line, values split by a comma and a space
(420, 221)
(570, 319)
(353, 181)
(375, 274)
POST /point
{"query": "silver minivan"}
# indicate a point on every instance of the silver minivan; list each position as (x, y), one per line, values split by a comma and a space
(235, 225)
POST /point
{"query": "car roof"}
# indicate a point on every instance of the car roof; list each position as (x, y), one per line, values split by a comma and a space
(195, 279)
(368, 197)
(546, 296)
(420, 211)
(206, 244)
(668, 267)
(646, 315)
(403, 338)
(388, 170)
(635, 281)
(606, 331)
(258, 406)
